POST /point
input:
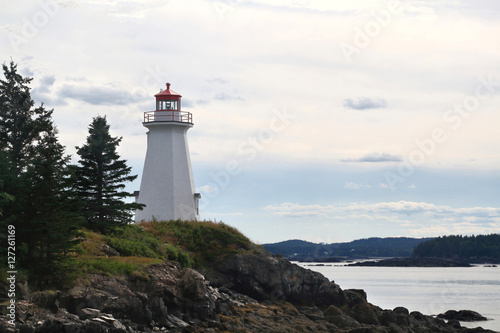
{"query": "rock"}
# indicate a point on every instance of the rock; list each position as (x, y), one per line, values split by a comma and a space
(118, 325)
(176, 322)
(365, 314)
(88, 313)
(332, 310)
(108, 251)
(343, 321)
(398, 318)
(99, 320)
(401, 310)
(312, 313)
(354, 297)
(462, 315)
(193, 284)
(251, 292)
(267, 277)
(414, 262)
(46, 299)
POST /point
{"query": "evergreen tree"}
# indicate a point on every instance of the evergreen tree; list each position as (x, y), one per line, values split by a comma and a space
(53, 208)
(33, 180)
(101, 179)
(5, 197)
(20, 123)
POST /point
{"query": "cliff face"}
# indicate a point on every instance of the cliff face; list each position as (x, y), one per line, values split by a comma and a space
(243, 293)
(275, 279)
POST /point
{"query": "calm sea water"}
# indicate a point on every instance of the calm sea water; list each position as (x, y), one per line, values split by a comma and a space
(428, 290)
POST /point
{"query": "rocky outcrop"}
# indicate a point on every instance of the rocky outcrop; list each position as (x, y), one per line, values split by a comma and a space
(462, 315)
(166, 296)
(249, 293)
(275, 279)
(414, 262)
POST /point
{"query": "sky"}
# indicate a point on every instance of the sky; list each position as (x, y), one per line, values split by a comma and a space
(325, 121)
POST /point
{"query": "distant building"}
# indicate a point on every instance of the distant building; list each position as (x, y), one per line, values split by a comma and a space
(167, 186)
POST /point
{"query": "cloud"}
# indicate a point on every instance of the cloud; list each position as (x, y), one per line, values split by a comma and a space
(227, 97)
(364, 103)
(217, 80)
(186, 102)
(206, 189)
(419, 215)
(41, 93)
(375, 158)
(46, 83)
(99, 95)
(355, 186)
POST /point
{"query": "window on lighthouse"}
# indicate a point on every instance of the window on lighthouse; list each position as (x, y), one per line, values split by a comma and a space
(167, 105)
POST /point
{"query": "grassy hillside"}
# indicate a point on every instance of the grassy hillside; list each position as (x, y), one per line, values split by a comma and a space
(129, 249)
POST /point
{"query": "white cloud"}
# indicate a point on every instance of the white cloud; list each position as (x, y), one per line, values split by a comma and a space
(355, 186)
(375, 157)
(365, 103)
(418, 217)
(206, 189)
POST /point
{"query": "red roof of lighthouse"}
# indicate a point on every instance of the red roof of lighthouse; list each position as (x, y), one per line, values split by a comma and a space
(167, 92)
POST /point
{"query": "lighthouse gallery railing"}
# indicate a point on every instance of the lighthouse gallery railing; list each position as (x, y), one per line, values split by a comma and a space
(168, 115)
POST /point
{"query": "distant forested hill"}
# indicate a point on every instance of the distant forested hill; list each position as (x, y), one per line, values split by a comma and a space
(362, 248)
(463, 247)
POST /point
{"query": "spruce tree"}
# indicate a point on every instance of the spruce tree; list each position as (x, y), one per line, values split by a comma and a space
(101, 179)
(53, 206)
(34, 181)
(20, 122)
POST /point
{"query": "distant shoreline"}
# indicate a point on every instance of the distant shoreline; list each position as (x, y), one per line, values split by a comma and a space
(401, 262)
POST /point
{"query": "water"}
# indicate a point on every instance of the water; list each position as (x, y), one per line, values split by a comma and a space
(427, 290)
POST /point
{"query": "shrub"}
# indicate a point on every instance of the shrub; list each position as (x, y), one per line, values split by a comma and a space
(127, 247)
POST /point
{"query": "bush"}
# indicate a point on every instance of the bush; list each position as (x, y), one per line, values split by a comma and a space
(130, 248)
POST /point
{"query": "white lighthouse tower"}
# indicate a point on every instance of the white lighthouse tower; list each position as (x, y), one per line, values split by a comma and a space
(167, 186)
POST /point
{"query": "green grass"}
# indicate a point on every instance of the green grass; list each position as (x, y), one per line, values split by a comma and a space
(190, 243)
(123, 266)
(205, 240)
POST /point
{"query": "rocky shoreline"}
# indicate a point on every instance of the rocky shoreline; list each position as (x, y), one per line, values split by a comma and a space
(251, 292)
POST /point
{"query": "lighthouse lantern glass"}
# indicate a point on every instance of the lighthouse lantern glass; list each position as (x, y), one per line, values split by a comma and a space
(167, 105)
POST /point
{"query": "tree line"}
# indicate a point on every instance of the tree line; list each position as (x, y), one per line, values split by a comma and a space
(46, 198)
(361, 248)
(458, 246)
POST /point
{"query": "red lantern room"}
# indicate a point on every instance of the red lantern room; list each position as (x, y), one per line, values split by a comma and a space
(168, 108)
(168, 100)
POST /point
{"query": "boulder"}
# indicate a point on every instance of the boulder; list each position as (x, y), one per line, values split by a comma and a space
(462, 315)
(108, 251)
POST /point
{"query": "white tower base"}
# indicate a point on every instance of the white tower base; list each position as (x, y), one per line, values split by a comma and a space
(167, 186)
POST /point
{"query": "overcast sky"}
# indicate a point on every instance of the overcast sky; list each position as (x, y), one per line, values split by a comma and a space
(318, 120)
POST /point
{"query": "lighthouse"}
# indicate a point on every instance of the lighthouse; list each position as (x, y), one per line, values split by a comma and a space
(167, 186)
